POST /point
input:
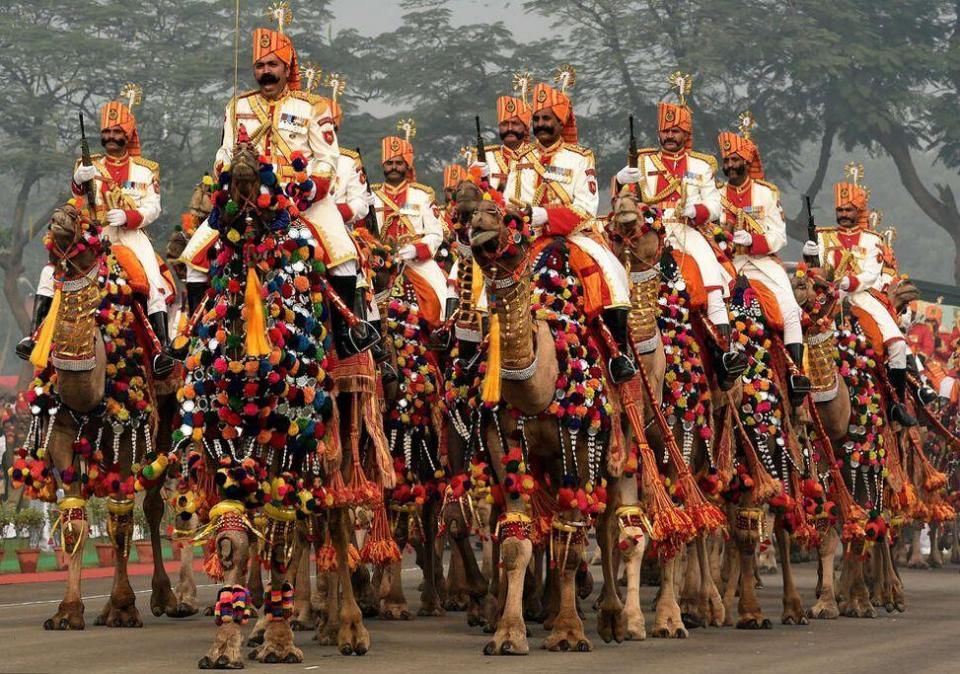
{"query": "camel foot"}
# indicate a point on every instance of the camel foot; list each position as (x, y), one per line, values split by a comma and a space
(571, 639)
(299, 625)
(395, 612)
(163, 601)
(509, 639)
(278, 646)
(636, 629)
(69, 616)
(714, 611)
(917, 564)
(255, 639)
(207, 611)
(692, 620)
(353, 638)
(611, 625)
(225, 652)
(793, 616)
(856, 608)
(533, 609)
(327, 633)
(754, 622)
(120, 614)
(824, 610)
(457, 602)
(431, 608)
(477, 611)
(584, 580)
(670, 627)
(182, 610)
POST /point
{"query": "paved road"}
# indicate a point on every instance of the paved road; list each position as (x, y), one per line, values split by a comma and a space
(924, 639)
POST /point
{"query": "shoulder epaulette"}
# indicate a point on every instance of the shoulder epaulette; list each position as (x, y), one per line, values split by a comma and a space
(579, 149)
(827, 230)
(98, 155)
(492, 148)
(647, 150)
(312, 99)
(347, 152)
(149, 163)
(526, 149)
(425, 188)
(703, 156)
(375, 187)
(247, 94)
(768, 185)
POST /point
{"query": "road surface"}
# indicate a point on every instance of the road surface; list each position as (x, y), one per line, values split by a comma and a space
(924, 639)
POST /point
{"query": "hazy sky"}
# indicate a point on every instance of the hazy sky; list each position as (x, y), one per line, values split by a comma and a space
(375, 16)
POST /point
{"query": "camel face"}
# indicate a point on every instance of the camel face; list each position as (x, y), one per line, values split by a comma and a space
(485, 228)
(245, 175)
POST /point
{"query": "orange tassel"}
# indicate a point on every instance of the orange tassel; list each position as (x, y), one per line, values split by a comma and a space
(490, 392)
(379, 548)
(724, 450)
(764, 486)
(257, 342)
(212, 565)
(671, 527)
(327, 558)
(40, 355)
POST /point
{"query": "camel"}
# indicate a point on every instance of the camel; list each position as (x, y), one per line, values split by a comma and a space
(523, 430)
(92, 432)
(280, 449)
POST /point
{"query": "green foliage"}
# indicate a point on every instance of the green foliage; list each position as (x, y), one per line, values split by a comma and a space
(29, 523)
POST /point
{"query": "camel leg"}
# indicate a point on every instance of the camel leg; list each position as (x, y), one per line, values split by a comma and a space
(916, 560)
(328, 627)
(255, 583)
(730, 577)
(457, 597)
(935, 558)
(303, 618)
(393, 603)
(856, 602)
(233, 549)
(690, 587)
(474, 584)
(631, 545)
(825, 607)
(278, 643)
(535, 588)
(792, 609)
(186, 592)
(750, 616)
(668, 623)
(567, 633)
(611, 621)
(711, 604)
(551, 592)
(352, 637)
(510, 637)
(895, 598)
(767, 556)
(363, 590)
(162, 599)
(121, 608)
(69, 615)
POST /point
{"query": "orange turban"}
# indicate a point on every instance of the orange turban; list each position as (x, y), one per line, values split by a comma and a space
(453, 175)
(509, 107)
(394, 146)
(848, 193)
(933, 312)
(670, 115)
(731, 143)
(267, 42)
(116, 113)
(546, 97)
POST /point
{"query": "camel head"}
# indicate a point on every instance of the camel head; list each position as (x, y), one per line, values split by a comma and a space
(467, 197)
(200, 203)
(245, 176)
(903, 293)
(635, 230)
(498, 240)
(816, 296)
(70, 240)
(176, 244)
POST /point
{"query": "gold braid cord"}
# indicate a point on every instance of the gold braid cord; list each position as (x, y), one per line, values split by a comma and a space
(642, 319)
(468, 320)
(513, 306)
(280, 531)
(821, 365)
(750, 519)
(120, 525)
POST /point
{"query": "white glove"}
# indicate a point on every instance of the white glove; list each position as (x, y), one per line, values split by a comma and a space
(845, 283)
(811, 249)
(370, 200)
(742, 237)
(538, 216)
(629, 175)
(84, 173)
(482, 165)
(116, 217)
(689, 211)
(407, 252)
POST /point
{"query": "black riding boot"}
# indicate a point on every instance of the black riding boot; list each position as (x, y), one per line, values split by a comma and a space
(898, 411)
(797, 383)
(349, 341)
(162, 362)
(621, 365)
(41, 307)
(733, 362)
(442, 340)
(925, 394)
(195, 293)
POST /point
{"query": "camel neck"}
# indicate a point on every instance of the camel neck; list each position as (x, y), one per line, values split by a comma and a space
(516, 324)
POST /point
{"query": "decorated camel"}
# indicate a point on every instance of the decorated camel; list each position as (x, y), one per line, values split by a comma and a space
(95, 408)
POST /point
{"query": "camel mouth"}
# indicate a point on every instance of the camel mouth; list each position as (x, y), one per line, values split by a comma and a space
(480, 239)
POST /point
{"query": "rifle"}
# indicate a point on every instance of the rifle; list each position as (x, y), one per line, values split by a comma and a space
(89, 191)
(811, 231)
(632, 152)
(370, 221)
(481, 150)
